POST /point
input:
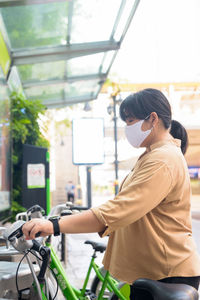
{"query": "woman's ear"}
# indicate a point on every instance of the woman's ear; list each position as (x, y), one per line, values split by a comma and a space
(154, 118)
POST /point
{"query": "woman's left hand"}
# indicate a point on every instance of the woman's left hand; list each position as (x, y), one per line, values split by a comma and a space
(41, 226)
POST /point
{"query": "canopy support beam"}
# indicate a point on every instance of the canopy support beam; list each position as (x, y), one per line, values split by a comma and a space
(63, 52)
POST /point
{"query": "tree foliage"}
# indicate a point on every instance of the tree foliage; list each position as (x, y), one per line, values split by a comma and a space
(37, 25)
(24, 130)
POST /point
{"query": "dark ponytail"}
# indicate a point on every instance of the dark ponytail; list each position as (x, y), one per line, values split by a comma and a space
(179, 132)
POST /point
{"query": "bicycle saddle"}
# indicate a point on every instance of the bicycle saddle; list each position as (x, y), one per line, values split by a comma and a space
(96, 246)
(166, 291)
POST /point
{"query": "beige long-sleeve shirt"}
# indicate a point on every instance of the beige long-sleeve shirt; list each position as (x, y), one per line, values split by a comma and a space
(149, 221)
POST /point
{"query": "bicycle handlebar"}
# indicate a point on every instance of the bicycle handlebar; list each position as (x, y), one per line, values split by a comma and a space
(36, 211)
(45, 253)
(80, 208)
(14, 235)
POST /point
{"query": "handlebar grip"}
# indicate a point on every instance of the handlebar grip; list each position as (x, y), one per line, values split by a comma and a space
(17, 233)
(79, 208)
(36, 246)
(66, 212)
(38, 234)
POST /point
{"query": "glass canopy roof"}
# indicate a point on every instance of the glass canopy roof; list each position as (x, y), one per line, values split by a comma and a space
(63, 50)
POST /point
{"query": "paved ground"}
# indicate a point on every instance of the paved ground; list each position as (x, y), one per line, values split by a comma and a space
(79, 255)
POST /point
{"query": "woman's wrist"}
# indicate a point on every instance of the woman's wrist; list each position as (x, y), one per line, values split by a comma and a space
(56, 227)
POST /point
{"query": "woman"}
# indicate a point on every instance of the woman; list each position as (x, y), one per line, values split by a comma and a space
(148, 222)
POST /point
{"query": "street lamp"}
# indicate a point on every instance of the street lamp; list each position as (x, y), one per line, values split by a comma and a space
(111, 109)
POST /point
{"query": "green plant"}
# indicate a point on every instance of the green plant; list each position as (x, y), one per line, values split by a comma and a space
(25, 129)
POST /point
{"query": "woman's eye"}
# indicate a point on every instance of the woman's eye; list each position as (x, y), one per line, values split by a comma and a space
(130, 120)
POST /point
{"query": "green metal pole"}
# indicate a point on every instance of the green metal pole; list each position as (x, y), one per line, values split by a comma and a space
(104, 284)
(48, 196)
(87, 276)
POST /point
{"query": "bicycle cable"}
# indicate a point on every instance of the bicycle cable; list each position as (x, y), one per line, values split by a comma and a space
(35, 255)
(54, 275)
(16, 276)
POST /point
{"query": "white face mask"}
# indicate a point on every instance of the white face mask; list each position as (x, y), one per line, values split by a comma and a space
(135, 135)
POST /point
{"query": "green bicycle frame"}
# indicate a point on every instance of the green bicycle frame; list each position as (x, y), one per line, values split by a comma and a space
(65, 286)
(41, 290)
(70, 292)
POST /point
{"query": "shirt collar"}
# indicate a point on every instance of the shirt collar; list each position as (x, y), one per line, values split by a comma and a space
(172, 141)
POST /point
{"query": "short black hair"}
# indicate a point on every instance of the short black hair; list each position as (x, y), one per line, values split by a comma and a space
(141, 104)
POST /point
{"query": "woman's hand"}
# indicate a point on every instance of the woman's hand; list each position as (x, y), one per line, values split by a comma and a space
(31, 228)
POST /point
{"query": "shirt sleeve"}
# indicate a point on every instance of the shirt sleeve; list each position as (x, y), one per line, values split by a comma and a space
(140, 193)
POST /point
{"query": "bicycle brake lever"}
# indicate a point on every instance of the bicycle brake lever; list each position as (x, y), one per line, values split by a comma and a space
(14, 231)
(19, 233)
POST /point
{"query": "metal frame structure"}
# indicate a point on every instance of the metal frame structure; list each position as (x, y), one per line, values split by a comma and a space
(64, 52)
(69, 51)
(8, 3)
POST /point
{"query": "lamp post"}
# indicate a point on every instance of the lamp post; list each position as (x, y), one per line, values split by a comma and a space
(115, 139)
(113, 109)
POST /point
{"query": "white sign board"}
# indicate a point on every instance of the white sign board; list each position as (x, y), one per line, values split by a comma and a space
(88, 141)
(35, 176)
(0, 177)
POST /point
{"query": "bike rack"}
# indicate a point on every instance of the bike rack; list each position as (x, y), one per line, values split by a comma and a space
(8, 275)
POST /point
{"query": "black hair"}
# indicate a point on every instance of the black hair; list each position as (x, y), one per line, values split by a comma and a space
(179, 132)
(141, 104)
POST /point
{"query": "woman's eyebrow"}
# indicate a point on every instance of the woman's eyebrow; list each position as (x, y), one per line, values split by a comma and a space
(129, 116)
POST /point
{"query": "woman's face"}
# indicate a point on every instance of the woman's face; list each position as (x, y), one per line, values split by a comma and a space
(146, 125)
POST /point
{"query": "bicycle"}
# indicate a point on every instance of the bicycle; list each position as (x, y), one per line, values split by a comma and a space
(100, 272)
(68, 291)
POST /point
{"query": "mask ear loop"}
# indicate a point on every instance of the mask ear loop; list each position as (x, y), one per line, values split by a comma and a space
(158, 116)
(147, 117)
